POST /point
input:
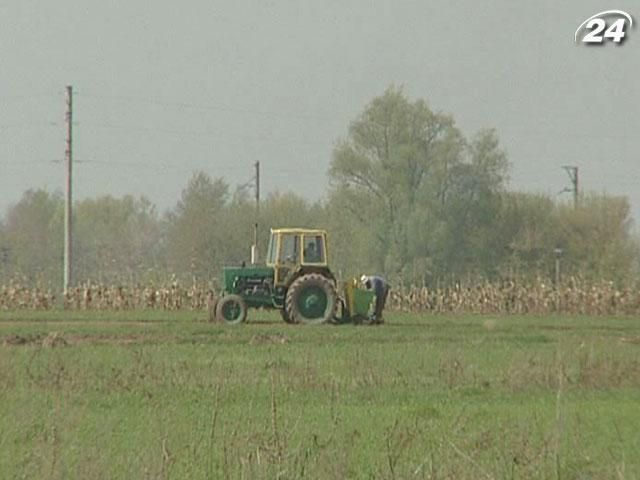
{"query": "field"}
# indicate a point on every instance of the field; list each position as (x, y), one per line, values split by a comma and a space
(167, 395)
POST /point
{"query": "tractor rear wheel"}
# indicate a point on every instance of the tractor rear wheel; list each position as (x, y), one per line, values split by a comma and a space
(231, 309)
(311, 299)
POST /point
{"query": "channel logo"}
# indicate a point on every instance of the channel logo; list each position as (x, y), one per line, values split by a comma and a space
(604, 27)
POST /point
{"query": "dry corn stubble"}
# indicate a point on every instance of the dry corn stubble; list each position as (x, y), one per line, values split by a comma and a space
(536, 297)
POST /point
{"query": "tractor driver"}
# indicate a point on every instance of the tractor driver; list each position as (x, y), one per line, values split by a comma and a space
(311, 253)
(381, 288)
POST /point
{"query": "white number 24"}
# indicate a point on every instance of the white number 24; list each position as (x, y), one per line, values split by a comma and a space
(597, 25)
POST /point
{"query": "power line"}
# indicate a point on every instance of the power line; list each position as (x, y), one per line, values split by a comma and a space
(191, 133)
(20, 98)
(155, 165)
(27, 126)
(506, 132)
(209, 107)
(29, 162)
(166, 168)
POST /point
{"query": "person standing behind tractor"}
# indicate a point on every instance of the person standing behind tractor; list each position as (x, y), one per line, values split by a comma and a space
(381, 288)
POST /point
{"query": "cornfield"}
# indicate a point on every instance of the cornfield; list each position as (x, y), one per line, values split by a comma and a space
(536, 297)
(173, 296)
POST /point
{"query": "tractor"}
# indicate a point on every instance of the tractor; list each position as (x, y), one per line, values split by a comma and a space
(296, 280)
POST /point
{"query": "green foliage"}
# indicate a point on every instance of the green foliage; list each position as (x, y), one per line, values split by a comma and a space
(116, 240)
(32, 237)
(349, 240)
(197, 236)
(527, 232)
(596, 237)
(427, 195)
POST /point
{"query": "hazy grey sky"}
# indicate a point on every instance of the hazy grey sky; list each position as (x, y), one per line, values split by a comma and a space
(166, 88)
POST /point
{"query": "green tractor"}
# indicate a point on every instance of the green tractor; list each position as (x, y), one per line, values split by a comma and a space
(296, 280)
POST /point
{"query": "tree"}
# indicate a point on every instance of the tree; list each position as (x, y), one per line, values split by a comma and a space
(423, 192)
(469, 213)
(32, 240)
(116, 239)
(596, 238)
(197, 239)
(350, 240)
(524, 234)
(381, 166)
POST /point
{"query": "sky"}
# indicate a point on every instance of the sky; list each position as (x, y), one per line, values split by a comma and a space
(163, 89)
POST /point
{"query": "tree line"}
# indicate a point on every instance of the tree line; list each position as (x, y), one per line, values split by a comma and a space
(409, 196)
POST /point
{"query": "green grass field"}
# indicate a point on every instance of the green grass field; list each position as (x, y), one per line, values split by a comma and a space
(160, 395)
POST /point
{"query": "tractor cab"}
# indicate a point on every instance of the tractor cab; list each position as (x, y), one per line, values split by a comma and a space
(292, 252)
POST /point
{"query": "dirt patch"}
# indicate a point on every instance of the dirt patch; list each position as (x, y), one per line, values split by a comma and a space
(105, 339)
(263, 339)
(83, 323)
(53, 340)
(634, 340)
(57, 339)
(13, 340)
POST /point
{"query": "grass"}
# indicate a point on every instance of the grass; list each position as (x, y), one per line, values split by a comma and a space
(162, 395)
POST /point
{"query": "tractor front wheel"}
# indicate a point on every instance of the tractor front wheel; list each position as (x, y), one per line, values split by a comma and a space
(311, 299)
(231, 309)
(213, 311)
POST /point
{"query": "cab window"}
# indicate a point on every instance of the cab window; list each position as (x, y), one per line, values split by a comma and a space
(313, 249)
(289, 248)
(271, 255)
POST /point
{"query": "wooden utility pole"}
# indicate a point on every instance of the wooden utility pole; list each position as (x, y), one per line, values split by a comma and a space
(68, 213)
(557, 253)
(254, 251)
(258, 187)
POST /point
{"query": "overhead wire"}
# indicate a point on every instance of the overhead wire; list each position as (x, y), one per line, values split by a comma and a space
(27, 126)
(163, 166)
(19, 98)
(190, 133)
(208, 107)
(160, 168)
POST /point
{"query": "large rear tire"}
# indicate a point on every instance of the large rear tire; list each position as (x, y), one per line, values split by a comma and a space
(311, 299)
(231, 309)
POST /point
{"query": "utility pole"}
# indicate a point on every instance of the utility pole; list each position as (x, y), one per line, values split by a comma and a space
(558, 253)
(573, 176)
(254, 249)
(68, 223)
(257, 189)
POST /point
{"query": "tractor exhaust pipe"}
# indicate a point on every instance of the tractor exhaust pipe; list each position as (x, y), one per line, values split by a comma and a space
(254, 247)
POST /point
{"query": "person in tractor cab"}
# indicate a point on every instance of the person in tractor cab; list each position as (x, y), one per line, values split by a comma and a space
(311, 253)
(381, 288)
